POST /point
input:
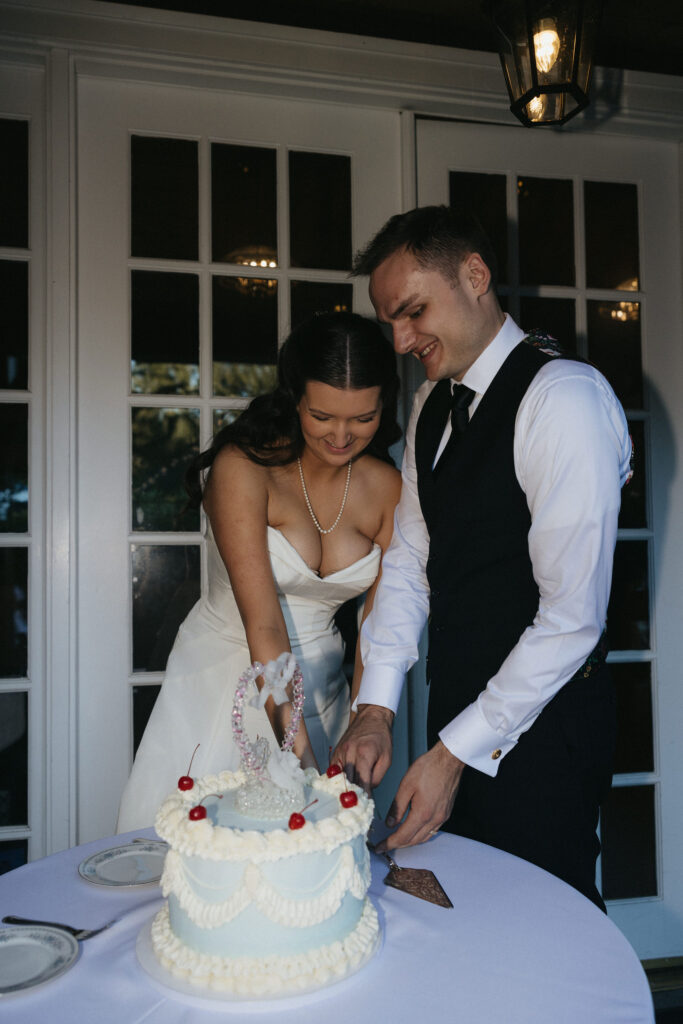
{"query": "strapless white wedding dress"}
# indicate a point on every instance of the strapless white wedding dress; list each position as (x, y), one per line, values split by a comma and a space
(208, 657)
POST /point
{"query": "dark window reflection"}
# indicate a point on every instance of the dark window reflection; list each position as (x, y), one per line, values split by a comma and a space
(164, 332)
(628, 613)
(14, 183)
(166, 584)
(13, 613)
(14, 467)
(144, 699)
(320, 210)
(244, 335)
(163, 442)
(614, 347)
(309, 297)
(13, 759)
(164, 198)
(634, 751)
(611, 214)
(546, 231)
(485, 195)
(633, 514)
(555, 317)
(627, 827)
(13, 854)
(243, 205)
(14, 324)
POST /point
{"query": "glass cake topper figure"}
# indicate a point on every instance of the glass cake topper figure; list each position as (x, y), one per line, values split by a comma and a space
(274, 779)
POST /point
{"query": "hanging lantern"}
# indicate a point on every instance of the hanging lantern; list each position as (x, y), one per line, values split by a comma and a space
(546, 49)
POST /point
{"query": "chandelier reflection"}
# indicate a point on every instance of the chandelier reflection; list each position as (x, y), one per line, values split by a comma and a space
(256, 257)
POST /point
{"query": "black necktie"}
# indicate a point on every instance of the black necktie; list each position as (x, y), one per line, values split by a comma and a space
(460, 403)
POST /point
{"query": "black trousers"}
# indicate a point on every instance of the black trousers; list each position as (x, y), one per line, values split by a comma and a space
(543, 804)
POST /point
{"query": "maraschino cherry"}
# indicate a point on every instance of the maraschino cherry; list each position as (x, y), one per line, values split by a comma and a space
(348, 798)
(198, 812)
(297, 820)
(186, 782)
(334, 769)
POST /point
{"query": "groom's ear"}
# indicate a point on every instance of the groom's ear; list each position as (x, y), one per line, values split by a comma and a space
(477, 273)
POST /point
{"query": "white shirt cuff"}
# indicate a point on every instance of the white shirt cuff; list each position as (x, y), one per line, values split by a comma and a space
(381, 685)
(471, 738)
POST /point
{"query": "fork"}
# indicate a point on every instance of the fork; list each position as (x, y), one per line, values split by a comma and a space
(78, 933)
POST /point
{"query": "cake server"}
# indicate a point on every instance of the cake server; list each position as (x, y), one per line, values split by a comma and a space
(420, 882)
(78, 933)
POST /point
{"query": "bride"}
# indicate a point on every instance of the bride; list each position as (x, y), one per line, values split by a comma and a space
(299, 497)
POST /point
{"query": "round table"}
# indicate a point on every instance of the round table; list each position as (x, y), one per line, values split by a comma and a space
(518, 947)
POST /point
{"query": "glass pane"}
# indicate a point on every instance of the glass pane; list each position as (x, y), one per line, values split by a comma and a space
(13, 854)
(222, 417)
(556, 317)
(164, 333)
(320, 211)
(165, 587)
(634, 717)
(13, 612)
(244, 336)
(243, 205)
(14, 468)
(611, 213)
(14, 178)
(14, 325)
(485, 194)
(614, 347)
(13, 759)
(633, 506)
(144, 699)
(309, 297)
(164, 198)
(627, 828)
(628, 614)
(164, 441)
(546, 231)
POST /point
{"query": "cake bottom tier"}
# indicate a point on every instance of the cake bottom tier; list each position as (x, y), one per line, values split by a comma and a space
(268, 976)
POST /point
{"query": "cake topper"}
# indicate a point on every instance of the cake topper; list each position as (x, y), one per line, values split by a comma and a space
(274, 779)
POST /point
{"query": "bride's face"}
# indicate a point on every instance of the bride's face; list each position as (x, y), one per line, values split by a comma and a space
(338, 423)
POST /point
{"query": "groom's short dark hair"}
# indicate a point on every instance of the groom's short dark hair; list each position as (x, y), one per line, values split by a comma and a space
(439, 237)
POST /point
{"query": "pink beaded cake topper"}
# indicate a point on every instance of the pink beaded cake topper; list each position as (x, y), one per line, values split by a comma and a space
(274, 778)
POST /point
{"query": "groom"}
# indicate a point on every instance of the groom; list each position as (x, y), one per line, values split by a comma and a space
(504, 539)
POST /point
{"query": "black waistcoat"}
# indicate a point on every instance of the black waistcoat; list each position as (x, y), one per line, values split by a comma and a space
(482, 591)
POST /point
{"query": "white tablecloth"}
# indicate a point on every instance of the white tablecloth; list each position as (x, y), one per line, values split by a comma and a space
(518, 947)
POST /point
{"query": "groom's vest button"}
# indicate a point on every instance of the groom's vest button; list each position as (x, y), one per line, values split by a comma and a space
(496, 754)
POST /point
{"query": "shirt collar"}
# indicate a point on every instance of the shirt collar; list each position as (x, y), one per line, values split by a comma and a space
(485, 368)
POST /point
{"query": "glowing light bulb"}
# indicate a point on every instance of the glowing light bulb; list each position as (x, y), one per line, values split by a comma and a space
(546, 46)
(535, 108)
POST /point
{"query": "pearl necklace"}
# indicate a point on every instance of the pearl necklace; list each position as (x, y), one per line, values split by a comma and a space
(310, 507)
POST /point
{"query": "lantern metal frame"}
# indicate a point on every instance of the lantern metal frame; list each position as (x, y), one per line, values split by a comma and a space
(577, 23)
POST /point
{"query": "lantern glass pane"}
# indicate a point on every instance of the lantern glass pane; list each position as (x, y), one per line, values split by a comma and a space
(13, 759)
(14, 325)
(546, 231)
(634, 751)
(14, 467)
(13, 613)
(628, 613)
(163, 442)
(627, 828)
(144, 699)
(14, 192)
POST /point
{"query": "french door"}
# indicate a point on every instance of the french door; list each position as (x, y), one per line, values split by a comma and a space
(586, 235)
(208, 224)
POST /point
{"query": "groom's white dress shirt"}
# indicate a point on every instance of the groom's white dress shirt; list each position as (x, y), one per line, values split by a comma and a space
(572, 455)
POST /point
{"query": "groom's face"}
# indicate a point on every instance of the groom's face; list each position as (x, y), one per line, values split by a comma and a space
(437, 320)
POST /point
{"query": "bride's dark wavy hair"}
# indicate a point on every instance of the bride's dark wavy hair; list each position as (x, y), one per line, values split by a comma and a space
(344, 350)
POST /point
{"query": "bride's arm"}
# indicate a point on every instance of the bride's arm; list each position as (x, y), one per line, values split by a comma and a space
(236, 502)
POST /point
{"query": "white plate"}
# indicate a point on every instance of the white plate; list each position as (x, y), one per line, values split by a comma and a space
(132, 864)
(31, 955)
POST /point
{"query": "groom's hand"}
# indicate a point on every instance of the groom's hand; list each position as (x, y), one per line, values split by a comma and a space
(364, 750)
(428, 788)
